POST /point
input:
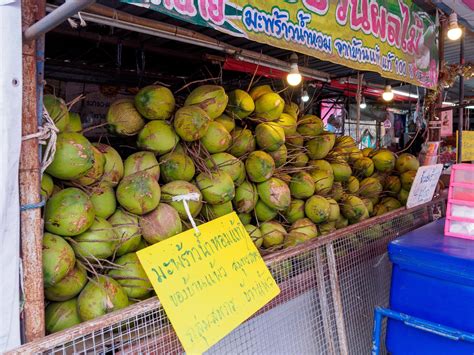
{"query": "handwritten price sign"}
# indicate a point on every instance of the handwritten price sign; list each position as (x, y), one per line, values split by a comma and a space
(211, 283)
(424, 185)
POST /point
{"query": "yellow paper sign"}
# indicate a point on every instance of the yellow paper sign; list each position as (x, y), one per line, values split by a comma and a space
(208, 284)
(467, 150)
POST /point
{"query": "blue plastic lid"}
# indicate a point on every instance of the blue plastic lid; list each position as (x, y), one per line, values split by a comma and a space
(427, 251)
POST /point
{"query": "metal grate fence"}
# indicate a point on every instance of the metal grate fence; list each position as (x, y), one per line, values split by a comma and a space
(329, 288)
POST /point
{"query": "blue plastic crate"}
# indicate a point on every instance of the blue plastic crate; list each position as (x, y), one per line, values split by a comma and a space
(432, 279)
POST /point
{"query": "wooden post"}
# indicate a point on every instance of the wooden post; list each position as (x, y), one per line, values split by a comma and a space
(31, 228)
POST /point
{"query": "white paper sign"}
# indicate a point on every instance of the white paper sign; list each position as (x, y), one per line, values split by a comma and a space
(424, 185)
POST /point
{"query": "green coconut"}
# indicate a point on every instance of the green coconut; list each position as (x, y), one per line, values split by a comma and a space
(302, 185)
(269, 107)
(292, 109)
(124, 119)
(279, 156)
(403, 196)
(74, 124)
(327, 228)
(338, 154)
(334, 211)
(158, 137)
(295, 140)
(57, 110)
(69, 286)
(270, 136)
(155, 102)
(138, 193)
(288, 123)
(300, 231)
(407, 179)
(317, 209)
(367, 152)
(61, 315)
(323, 181)
(142, 161)
(254, 233)
(73, 158)
(295, 211)
(216, 139)
(364, 167)
(390, 203)
(102, 197)
(393, 185)
(211, 98)
(211, 212)
(246, 197)
(127, 231)
(259, 166)
(275, 193)
(379, 210)
(99, 241)
(370, 187)
(264, 213)
(345, 142)
(406, 162)
(216, 187)
(47, 186)
(179, 187)
(245, 218)
(191, 123)
(101, 296)
(131, 276)
(260, 90)
(352, 185)
(341, 222)
(58, 259)
(68, 212)
(227, 121)
(310, 125)
(369, 205)
(176, 166)
(342, 170)
(228, 163)
(384, 160)
(160, 224)
(354, 209)
(95, 173)
(142, 245)
(243, 142)
(113, 167)
(300, 160)
(240, 104)
(319, 146)
(354, 154)
(323, 165)
(337, 191)
(273, 234)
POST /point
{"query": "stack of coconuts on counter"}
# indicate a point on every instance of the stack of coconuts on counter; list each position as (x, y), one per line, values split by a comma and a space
(287, 178)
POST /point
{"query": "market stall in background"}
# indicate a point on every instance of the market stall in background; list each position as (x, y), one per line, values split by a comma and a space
(139, 106)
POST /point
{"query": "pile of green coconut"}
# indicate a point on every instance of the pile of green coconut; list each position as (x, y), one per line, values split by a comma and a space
(288, 179)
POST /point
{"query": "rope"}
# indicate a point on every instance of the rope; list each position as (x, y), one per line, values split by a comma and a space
(193, 196)
(31, 206)
(47, 135)
(74, 24)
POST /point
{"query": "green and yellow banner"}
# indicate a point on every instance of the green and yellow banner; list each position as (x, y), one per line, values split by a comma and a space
(392, 37)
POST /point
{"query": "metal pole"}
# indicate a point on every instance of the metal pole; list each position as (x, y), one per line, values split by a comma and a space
(461, 99)
(61, 14)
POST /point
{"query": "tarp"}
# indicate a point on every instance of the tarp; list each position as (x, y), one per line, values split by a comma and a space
(10, 143)
(392, 37)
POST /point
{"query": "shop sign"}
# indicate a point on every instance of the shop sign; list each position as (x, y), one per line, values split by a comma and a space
(446, 123)
(467, 150)
(208, 283)
(424, 185)
(392, 37)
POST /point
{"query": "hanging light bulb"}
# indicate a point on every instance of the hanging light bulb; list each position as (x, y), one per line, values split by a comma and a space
(305, 96)
(388, 93)
(294, 77)
(454, 31)
(363, 104)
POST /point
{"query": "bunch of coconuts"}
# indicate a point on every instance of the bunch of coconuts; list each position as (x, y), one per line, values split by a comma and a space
(287, 178)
